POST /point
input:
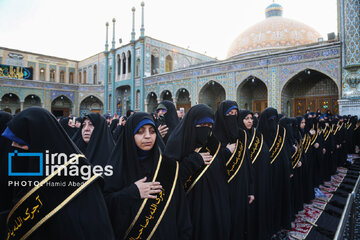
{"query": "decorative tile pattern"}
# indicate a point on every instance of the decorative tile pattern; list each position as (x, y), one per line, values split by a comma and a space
(352, 31)
(274, 95)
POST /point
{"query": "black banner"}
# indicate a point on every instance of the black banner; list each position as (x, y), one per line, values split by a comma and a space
(16, 72)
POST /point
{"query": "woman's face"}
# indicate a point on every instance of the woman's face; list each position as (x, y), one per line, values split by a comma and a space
(248, 121)
(302, 124)
(87, 130)
(145, 137)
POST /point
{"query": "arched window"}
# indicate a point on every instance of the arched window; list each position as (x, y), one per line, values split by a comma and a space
(109, 75)
(137, 99)
(52, 75)
(154, 64)
(168, 64)
(62, 76)
(123, 64)
(118, 65)
(95, 75)
(84, 77)
(42, 74)
(129, 62)
(79, 77)
(71, 77)
(137, 68)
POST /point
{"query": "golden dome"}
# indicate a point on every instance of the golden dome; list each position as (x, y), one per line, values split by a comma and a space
(273, 32)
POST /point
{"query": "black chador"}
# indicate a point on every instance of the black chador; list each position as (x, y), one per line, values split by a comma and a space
(275, 138)
(6, 192)
(113, 125)
(64, 122)
(287, 123)
(67, 205)
(260, 218)
(101, 143)
(297, 160)
(238, 167)
(308, 160)
(171, 119)
(206, 185)
(133, 217)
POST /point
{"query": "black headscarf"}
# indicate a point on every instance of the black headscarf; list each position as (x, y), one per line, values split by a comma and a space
(128, 112)
(268, 124)
(79, 119)
(226, 127)
(64, 122)
(287, 123)
(186, 137)
(101, 143)
(128, 168)
(242, 115)
(171, 117)
(298, 120)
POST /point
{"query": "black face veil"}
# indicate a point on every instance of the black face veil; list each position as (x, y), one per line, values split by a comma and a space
(183, 139)
(226, 127)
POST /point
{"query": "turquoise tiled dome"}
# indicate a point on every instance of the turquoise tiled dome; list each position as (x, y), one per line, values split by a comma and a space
(273, 9)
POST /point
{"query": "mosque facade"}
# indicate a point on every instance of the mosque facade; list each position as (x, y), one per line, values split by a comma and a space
(277, 62)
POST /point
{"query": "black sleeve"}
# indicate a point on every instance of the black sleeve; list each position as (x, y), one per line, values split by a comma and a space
(226, 153)
(182, 214)
(251, 171)
(125, 198)
(117, 132)
(189, 165)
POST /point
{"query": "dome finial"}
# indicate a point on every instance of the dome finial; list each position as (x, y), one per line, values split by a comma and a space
(273, 10)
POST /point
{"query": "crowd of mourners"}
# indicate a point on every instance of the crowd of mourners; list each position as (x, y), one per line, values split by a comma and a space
(232, 174)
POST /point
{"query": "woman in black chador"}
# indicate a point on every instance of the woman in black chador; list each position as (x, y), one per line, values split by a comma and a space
(96, 141)
(170, 119)
(238, 167)
(297, 163)
(74, 210)
(6, 193)
(144, 196)
(275, 138)
(202, 171)
(260, 219)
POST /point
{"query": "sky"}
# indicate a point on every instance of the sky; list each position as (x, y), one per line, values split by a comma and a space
(75, 29)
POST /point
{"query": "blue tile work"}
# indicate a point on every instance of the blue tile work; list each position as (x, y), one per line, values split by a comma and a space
(330, 67)
(62, 69)
(186, 83)
(274, 96)
(56, 93)
(30, 64)
(350, 33)
(274, 70)
(52, 67)
(260, 73)
(42, 65)
(230, 86)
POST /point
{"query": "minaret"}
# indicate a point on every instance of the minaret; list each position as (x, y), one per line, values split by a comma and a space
(142, 58)
(106, 79)
(142, 29)
(132, 42)
(113, 106)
